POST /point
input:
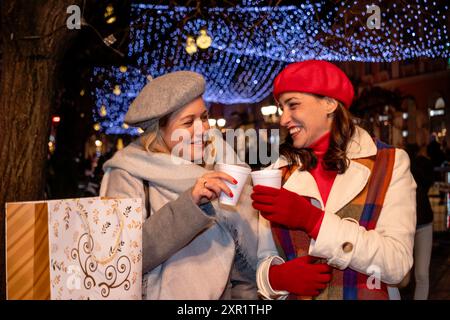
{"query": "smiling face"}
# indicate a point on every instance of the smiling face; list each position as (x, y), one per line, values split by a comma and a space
(193, 115)
(305, 116)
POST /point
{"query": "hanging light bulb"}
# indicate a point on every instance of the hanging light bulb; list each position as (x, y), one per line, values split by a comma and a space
(109, 14)
(109, 11)
(117, 90)
(103, 112)
(191, 47)
(111, 20)
(204, 40)
(123, 69)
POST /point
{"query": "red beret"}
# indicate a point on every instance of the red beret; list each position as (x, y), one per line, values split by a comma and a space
(318, 77)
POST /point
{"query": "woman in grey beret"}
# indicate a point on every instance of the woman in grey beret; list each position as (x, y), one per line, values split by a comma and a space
(192, 248)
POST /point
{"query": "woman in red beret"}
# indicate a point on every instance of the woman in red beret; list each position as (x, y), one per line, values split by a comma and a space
(342, 226)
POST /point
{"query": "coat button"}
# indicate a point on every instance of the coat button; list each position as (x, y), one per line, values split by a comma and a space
(347, 247)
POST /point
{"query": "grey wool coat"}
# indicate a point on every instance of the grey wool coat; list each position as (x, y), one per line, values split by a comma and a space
(175, 225)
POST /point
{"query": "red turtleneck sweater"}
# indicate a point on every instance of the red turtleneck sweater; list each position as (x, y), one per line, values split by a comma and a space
(324, 178)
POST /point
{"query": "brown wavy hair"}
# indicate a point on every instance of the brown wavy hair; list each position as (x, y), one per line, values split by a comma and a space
(335, 158)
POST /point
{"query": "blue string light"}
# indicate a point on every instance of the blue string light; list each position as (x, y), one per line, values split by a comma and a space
(251, 44)
(116, 104)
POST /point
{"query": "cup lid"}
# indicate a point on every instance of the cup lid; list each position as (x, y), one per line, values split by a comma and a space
(266, 173)
(233, 167)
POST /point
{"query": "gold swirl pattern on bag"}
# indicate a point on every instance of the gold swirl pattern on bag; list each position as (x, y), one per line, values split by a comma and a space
(89, 281)
(112, 272)
(88, 266)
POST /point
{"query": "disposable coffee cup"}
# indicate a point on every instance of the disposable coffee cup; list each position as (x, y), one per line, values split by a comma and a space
(240, 174)
(268, 178)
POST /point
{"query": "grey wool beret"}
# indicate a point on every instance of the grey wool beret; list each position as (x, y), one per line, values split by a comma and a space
(164, 95)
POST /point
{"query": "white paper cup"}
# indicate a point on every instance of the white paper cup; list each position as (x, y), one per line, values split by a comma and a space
(240, 174)
(268, 178)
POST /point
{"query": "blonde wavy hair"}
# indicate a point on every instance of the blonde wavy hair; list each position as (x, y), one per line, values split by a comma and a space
(152, 140)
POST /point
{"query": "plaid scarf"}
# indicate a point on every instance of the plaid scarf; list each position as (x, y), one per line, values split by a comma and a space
(366, 207)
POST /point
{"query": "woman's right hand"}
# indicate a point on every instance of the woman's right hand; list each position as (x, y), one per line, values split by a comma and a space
(210, 185)
(301, 276)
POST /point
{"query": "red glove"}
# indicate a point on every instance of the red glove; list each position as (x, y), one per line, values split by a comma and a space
(288, 209)
(300, 276)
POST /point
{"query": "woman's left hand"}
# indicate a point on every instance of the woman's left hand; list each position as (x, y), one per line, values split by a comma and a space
(286, 208)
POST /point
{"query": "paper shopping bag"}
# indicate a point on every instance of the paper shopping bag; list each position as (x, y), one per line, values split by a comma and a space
(92, 249)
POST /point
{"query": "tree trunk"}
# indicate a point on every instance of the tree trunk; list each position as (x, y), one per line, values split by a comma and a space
(34, 37)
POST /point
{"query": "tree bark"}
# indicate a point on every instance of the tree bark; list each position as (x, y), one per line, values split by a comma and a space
(34, 38)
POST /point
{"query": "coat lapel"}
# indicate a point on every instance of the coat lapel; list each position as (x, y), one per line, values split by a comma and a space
(348, 185)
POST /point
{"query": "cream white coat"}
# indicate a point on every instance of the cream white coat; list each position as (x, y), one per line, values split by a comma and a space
(386, 252)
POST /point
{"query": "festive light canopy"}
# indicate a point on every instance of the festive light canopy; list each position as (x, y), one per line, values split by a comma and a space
(252, 43)
(128, 81)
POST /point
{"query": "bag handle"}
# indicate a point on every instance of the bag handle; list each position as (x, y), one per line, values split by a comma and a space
(109, 258)
(147, 200)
